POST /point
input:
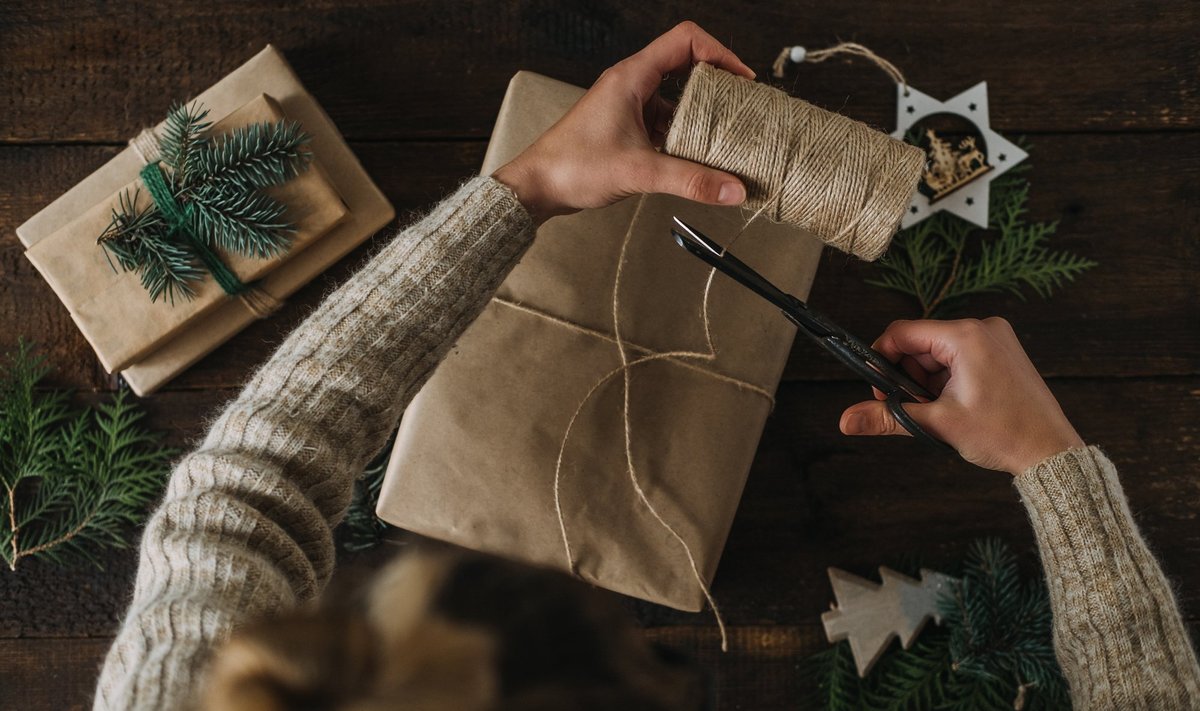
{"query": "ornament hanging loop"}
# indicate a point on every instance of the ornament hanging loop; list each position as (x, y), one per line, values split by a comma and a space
(798, 54)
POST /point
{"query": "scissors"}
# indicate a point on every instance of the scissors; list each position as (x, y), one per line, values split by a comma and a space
(867, 362)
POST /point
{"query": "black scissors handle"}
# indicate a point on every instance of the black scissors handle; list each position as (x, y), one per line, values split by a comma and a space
(867, 362)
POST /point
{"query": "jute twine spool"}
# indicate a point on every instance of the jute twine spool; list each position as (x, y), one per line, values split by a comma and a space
(835, 177)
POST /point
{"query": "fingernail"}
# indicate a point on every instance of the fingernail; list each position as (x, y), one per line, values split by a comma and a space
(731, 194)
(853, 424)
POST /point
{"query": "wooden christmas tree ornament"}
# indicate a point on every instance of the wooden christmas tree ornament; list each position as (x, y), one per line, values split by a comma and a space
(871, 614)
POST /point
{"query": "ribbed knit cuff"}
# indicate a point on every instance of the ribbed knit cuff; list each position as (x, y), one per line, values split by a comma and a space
(1117, 630)
(1072, 496)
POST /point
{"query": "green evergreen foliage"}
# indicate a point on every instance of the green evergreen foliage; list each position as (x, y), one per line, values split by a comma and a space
(73, 479)
(218, 182)
(992, 649)
(944, 259)
(362, 530)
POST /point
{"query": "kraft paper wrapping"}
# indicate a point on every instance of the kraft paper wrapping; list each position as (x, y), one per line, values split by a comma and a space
(474, 461)
(367, 211)
(111, 307)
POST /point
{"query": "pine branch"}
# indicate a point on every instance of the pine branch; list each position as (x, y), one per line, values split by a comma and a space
(251, 157)
(246, 223)
(1000, 627)
(993, 648)
(183, 136)
(140, 241)
(833, 680)
(913, 678)
(72, 481)
(217, 181)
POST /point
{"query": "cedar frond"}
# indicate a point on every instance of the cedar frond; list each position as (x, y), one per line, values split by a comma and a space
(74, 479)
(944, 259)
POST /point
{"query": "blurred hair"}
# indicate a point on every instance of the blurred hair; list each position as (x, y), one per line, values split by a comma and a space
(440, 630)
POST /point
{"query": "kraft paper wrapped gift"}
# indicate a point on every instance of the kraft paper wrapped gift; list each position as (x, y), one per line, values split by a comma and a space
(475, 458)
(334, 206)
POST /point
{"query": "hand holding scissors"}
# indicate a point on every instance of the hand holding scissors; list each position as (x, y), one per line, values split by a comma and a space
(868, 363)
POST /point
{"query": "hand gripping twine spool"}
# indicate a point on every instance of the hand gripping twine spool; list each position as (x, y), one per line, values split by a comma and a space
(835, 177)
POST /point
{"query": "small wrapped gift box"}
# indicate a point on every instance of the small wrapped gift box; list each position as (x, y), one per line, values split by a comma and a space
(332, 205)
(484, 458)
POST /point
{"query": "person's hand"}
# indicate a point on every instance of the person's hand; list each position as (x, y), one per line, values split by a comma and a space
(603, 149)
(992, 405)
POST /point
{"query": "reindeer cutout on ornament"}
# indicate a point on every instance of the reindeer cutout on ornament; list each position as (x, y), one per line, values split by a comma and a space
(951, 168)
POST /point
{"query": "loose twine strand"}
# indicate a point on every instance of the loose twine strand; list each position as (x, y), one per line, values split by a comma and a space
(799, 54)
(625, 370)
(832, 176)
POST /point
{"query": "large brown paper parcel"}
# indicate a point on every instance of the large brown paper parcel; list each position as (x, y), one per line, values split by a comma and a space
(474, 460)
(334, 205)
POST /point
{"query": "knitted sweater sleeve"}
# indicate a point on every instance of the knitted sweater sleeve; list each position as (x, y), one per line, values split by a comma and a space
(1118, 634)
(245, 527)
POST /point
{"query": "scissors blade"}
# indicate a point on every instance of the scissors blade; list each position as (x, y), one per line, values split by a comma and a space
(868, 363)
(860, 357)
(714, 255)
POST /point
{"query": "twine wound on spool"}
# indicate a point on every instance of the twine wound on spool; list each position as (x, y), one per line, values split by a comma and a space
(833, 176)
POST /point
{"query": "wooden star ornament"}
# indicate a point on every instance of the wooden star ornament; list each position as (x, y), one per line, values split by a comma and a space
(967, 170)
(871, 614)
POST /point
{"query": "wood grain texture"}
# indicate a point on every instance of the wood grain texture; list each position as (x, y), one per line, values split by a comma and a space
(814, 499)
(1109, 91)
(82, 71)
(760, 670)
(1128, 201)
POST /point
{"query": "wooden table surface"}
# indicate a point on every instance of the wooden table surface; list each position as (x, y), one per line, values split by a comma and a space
(1108, 94)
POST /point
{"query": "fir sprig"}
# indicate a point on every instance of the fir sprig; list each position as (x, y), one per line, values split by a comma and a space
(73, 479)
(944, 259)
(183, 136)
(218, 181)
(993, 650)
(139, 239)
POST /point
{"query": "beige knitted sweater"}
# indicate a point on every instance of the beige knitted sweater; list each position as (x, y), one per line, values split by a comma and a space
(245, 527)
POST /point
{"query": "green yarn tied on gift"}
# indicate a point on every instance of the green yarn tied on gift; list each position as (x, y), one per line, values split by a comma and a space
(180, 224)
(207, 195)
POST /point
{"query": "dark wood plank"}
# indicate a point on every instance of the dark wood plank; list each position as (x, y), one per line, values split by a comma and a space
(760, 670)
(814, 499)
(1129, 209)
(46, 675)
(76, 71)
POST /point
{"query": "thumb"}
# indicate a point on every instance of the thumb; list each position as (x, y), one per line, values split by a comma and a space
(675, 176)
(872, 418)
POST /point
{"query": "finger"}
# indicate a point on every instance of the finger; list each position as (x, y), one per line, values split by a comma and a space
(681, 47)
(870, 418)
(657, 116)
(675, 176)
(913, 368)
(935, 339)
